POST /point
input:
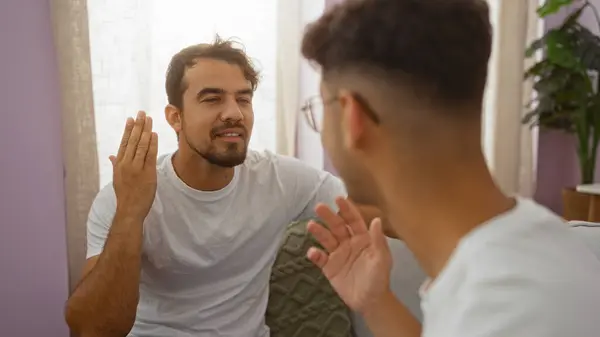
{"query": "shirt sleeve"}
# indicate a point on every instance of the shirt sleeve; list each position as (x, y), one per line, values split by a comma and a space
(307, 186)
(328, 189)
(99, 220)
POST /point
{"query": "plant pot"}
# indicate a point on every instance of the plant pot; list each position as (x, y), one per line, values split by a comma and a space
(576, 205)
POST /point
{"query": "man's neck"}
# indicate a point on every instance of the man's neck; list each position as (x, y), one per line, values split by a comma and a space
(199, 174)
(433, 211)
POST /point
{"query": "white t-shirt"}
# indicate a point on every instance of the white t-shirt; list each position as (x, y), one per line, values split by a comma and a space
(522, 274)
(207, 256)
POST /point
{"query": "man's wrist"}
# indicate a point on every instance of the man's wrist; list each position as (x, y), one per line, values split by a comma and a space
(378, 303)
(125, 214)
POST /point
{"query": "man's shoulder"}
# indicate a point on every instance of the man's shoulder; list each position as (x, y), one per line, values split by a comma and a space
(534, 246)
(285, 171)
(261, 160)
(523, 266)
(258, 157)
(526, 227)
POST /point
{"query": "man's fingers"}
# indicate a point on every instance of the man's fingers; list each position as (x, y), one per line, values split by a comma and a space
(349, 212)
(144, 143)
(136, 134)
(323, 236)
(336, 224)
(152, 151)
(377, 237)
(112, 159)
(317, 256)
(125, 139)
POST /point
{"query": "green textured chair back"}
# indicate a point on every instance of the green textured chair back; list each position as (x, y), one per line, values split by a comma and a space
(301, 301)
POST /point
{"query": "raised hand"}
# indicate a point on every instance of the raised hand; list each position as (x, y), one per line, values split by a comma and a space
(134, 168)
(357, 261)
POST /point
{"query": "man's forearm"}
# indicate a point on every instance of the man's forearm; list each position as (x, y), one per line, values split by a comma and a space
(390, 318)
(105, 301)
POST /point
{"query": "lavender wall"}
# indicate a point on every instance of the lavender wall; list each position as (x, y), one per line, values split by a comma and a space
(33, 259)
(557, 160)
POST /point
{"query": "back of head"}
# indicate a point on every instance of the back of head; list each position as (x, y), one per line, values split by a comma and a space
(402, 86)
(436, 51)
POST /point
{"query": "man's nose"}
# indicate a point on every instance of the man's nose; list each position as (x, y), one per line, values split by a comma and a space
(232, 110)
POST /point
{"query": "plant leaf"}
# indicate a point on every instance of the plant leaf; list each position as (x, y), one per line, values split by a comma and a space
(552, 6)
(560, 51)
(587, 48)
(537, 69)
(536, 45)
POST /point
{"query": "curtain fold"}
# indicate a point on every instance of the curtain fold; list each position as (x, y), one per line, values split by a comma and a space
(70, 28)
(289, 35)
(508, 144)
(308, 143)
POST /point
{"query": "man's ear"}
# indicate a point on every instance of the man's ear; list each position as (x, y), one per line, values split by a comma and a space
(353, 123)
(173, 116)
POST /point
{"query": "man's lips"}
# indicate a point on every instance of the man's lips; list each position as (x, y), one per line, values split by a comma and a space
(233, 134)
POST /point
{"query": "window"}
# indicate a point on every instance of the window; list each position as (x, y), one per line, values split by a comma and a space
(132, 42)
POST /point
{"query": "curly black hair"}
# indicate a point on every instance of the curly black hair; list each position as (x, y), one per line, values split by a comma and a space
(440, 48)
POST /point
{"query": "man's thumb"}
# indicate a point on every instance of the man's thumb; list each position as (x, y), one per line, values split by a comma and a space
(112, 159)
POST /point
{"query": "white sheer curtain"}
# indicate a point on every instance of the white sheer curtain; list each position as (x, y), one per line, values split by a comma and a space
(509, 145)
(132, 42)
(296, 81)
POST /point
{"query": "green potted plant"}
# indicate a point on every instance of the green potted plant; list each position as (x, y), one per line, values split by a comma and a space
(565, 82)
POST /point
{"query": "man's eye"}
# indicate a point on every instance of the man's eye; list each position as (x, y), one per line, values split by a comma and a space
(212, 100)
(244, 100)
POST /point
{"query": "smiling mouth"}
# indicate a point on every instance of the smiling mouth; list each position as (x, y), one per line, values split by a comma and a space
(229, 134)
(230, 137)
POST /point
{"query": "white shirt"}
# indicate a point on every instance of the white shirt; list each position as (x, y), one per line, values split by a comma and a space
(207, 256)
(522, 274)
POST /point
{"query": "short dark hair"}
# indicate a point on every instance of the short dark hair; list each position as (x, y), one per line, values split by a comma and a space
(223, 50)
(440, 48)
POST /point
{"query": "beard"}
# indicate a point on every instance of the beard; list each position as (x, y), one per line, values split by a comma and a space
(233, 155)
(230, 155)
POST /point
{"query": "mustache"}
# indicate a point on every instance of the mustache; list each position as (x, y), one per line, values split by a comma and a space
(228, 125)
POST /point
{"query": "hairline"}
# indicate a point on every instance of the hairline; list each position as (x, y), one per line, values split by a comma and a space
(184, 85)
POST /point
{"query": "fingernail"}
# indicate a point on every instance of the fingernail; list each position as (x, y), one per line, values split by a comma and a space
(140, 114)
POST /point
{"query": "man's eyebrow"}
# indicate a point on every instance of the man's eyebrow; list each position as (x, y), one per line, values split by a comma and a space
(209, 91)
(248, 92)
(219, 91)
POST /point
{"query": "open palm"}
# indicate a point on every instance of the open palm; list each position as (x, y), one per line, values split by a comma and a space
(356, 260)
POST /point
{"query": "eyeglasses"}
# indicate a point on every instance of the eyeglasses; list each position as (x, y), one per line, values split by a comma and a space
(314, 107)
(313, 110)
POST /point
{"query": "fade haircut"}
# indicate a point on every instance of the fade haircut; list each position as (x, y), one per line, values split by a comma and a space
(222, 50)
(438, 49)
